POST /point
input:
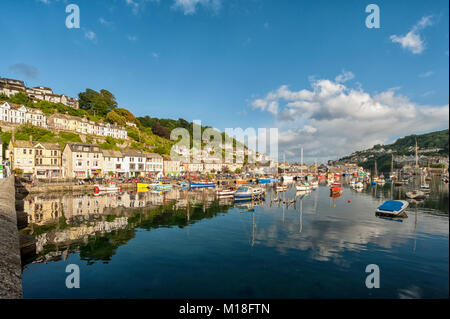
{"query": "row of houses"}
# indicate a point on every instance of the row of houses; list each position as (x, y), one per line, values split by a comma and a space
(10, 87)
(77, 160)
(20, 114)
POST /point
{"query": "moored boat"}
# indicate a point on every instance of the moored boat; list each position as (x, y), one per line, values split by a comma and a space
(393, 208)
(245, 193)
(229, 192)
(415, 194)
(111, 187)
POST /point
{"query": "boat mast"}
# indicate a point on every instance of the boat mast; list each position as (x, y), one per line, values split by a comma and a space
(375, 173)
(417, 158)
(392, 165)
(301, 161)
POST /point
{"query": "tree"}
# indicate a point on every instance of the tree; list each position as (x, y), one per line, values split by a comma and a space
(113, 117)
(160, 130)
(99, 102)
(20, 98)
(127, 115)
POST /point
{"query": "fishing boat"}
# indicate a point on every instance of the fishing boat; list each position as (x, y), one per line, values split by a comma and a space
(243, 181)
(336, 188)
(111, 187)
(228, 192)
(202, 184)
(245, 193)
(393, 208)
(415, 194)
(266, 180)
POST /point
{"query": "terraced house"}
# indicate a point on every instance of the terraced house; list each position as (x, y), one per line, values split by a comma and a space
(47, 159)
(21, 156)
(83, 125)
(82, 161)
(113, 163)
(20, 114)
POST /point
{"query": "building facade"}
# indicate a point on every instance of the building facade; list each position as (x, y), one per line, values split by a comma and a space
(47, 159)
(82, 161)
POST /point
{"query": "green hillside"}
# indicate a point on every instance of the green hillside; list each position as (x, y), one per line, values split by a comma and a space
(403, 146)
(150, 134)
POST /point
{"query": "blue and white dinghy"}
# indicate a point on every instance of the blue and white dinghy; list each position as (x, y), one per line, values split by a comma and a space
(393, 208)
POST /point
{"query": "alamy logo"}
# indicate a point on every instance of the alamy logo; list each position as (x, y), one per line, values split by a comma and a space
(73, 19)
(73, 280)
(373, 279)
(373, 19)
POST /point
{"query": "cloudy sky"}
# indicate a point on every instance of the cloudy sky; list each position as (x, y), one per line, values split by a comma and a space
(311, 68)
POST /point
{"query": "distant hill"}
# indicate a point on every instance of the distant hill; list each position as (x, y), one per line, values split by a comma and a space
(429, 144)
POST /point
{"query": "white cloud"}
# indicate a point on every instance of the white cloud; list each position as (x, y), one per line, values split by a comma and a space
(332, 120)
(412, 40)
(105, 22)
(344, 76)
(90, 35)
(138, 5)
(428, 93)
(189, 7)
(426, 74)
(132, 38)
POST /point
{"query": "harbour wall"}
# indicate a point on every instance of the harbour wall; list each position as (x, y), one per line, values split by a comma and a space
(10, 259)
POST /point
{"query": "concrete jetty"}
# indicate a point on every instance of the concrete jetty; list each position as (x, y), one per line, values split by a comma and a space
(10, 263)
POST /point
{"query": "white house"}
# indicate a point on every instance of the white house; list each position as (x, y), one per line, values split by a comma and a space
(19, 114)
(154, 164)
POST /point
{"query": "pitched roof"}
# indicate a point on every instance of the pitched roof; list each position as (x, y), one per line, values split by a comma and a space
(81, 148)
(131, 152)
(112, 153)
(22, 144)
(48, 145)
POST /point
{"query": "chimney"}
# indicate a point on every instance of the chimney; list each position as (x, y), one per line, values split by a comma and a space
(13, 139)
(31, 138)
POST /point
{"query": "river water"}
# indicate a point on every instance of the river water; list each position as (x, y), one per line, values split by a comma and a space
(190, 245)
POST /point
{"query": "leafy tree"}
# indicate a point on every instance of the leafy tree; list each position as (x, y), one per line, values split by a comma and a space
(127, 115)
(99, 102)
(113, 117)
(160, 130)
(20, 98)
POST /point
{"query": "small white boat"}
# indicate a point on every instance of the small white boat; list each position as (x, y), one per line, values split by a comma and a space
(393, 208)
(359, 185)
(287, 178)
(111, 187)
(281, 188)
(415, 194)
(226, 192)
(302, 187)
(425, 188)
(245, 193)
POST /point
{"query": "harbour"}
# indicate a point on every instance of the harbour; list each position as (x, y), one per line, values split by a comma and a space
(193, 243)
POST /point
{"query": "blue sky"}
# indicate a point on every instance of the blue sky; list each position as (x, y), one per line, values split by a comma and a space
(219, 61)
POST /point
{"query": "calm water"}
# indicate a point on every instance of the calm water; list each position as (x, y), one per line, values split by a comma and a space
(149, 245)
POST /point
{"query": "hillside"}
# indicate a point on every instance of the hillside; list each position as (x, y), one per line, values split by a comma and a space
(429, 144)
(149, 134)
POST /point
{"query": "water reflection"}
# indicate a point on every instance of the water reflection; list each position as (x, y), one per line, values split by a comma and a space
(287, 230)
